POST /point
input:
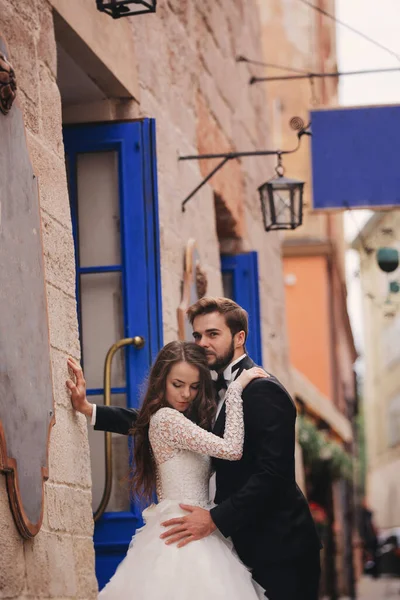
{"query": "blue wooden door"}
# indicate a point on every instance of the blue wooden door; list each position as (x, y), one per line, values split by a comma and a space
(113, 193)
(240, 281)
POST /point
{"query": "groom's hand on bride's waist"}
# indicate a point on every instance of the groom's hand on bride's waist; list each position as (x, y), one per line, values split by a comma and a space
(196, 525)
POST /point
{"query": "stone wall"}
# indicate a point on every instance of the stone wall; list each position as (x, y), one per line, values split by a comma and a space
(381, 381)
(192, 85)
(59, 561)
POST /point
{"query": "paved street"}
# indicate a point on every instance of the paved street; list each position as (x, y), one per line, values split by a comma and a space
(379, 589)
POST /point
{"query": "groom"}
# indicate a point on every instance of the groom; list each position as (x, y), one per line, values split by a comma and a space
(258, 503)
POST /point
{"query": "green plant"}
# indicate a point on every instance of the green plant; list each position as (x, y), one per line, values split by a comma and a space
(320, 452)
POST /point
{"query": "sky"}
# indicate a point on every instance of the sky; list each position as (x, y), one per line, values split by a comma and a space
(379, 20)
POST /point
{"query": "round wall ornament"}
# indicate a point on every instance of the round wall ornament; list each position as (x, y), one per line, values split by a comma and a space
(8, 85)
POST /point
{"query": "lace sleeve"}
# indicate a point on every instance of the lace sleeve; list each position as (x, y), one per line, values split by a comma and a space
(173, 429)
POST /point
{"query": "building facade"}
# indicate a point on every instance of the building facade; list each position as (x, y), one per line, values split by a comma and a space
(321, 347)
(108, 108)
(381, 380)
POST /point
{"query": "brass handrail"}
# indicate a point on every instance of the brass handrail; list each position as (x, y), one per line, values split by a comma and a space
(137, 341)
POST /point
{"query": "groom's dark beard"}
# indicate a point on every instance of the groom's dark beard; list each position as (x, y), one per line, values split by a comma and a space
(222, 361)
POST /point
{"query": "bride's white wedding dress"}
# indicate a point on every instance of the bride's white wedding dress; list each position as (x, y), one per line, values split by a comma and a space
(205, 569)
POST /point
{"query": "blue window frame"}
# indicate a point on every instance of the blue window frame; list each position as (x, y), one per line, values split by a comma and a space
(134, 145)
(240, 279)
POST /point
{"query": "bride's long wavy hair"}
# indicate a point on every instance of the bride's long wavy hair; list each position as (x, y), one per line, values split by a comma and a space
(201, 410)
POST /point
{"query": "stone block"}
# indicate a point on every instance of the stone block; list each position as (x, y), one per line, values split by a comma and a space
(170, 333)
(7, 14)
(223, 70)
(86, 582)
(180, 9)
(182, 113)
(69, 509)
(208, 50)
(234, 18)
(63, 577)
(69, 450)
(62, 321)
(218, 107)
(38, 565)
(19, 35)
(51, 174)
(153, 74)
(27, 11)
(59, 257)
(30, 112)
(217, 20)
(50, 112)
(46, 44)
(172, 253)
(12, 562)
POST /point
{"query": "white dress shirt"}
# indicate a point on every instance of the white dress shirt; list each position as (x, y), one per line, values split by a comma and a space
(229, 377)
(93, 417)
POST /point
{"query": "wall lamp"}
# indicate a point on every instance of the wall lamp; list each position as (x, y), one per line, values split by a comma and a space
(126, 8)
(281, 198)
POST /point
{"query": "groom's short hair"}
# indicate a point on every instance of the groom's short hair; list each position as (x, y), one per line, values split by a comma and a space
(235, 316)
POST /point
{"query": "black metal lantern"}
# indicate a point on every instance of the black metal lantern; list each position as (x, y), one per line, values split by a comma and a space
(126, 8)
(282, 201)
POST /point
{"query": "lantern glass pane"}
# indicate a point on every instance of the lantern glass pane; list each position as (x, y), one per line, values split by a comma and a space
(265, 206)
(281, 201)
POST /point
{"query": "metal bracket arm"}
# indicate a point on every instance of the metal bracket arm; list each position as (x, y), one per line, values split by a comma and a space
(226, 156)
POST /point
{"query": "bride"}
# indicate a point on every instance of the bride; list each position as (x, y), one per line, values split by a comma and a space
(172, 449)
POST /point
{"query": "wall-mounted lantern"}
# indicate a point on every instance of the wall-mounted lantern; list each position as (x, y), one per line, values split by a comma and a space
(126, 8)
(281, 201)
(281, 197)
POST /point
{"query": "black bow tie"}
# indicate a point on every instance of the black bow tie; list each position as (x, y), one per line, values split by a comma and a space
(236, 367)
(220, 383)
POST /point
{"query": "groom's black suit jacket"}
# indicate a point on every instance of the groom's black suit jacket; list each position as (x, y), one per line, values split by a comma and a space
(258, 502)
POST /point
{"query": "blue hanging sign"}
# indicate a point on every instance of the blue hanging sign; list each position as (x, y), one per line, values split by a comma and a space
(356, 157)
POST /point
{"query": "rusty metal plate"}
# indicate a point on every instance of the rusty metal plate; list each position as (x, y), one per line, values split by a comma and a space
(26, 395)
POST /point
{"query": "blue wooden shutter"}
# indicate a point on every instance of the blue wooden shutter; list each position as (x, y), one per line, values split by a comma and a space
(240, 274)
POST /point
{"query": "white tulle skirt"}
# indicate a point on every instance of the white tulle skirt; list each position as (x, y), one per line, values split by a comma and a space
(206, 569)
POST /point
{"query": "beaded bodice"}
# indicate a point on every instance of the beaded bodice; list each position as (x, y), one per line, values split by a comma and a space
(182, 450)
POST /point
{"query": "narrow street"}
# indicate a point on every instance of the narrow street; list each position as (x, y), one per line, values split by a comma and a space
(379, 589)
